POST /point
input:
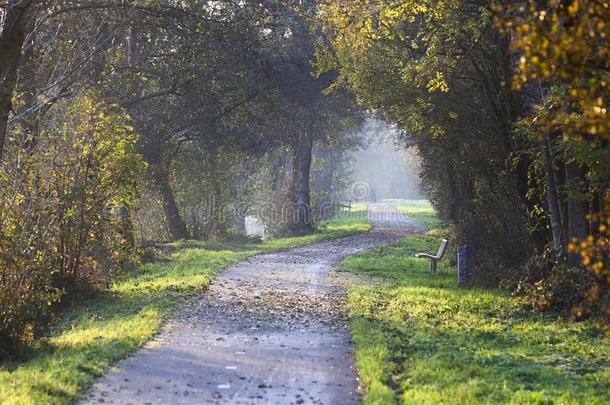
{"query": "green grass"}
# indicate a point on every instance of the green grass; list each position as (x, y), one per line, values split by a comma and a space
(420, 339)
(96, 333)
(419, 210)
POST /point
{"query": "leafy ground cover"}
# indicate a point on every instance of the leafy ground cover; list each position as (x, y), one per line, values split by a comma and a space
(97, 332)
(421, 339)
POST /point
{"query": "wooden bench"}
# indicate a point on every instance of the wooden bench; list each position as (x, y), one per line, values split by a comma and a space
(345, 205)
(433, 259)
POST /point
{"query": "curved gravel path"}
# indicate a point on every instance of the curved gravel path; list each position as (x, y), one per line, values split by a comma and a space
(271, 329)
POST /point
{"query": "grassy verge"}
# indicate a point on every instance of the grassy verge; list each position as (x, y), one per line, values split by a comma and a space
(419, 210)
(96, 333)
(420, 339)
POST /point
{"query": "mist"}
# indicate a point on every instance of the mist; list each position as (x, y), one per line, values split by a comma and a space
(385, 168)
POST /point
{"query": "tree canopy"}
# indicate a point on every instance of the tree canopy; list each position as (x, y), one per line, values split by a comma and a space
(507, 104)
(130, 123)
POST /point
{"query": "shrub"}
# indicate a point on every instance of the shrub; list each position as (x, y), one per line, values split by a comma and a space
(64, 212)
(548, 284)
(595, 253)
(560, 292)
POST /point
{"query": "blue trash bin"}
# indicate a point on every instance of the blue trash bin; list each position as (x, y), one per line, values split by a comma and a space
(465, 264)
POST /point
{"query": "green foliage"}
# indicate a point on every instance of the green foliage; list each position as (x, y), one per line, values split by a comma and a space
(546, 280)
(421, 339)
(64, 212)
(563, 54)
(566, 45)
(96, 333)
(96, 180)
(559, 290)
(440, 71)
(595, 254)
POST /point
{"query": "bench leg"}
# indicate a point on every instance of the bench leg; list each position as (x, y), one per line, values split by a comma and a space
(432, 266)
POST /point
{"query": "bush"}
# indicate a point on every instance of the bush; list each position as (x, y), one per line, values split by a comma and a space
(560, 292)
(64, 212)
(550, 285)
(595, 254)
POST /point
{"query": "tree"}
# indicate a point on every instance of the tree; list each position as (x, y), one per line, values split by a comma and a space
(442, 72)
(14, 19)
(564, 55)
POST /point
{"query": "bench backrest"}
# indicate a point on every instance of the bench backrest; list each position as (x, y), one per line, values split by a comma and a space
(442, 248)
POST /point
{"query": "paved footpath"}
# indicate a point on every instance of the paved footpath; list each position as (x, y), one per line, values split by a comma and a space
(270, 329)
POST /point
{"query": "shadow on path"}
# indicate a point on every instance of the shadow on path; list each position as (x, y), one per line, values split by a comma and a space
(270, 329)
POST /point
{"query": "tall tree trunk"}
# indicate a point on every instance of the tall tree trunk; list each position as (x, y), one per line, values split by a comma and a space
(301, 173)
(175, 223)
(276, 166)
(330, 174)
(12, 38)
(554, 203)
(594, 210)
(220, 225)
(577, 211)
(27, 83)
(332, 204)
